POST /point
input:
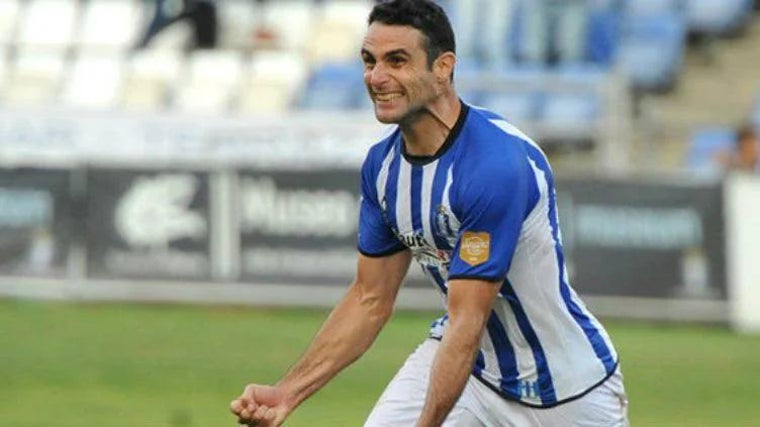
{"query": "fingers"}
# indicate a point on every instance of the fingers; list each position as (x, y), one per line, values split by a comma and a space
(251, 414)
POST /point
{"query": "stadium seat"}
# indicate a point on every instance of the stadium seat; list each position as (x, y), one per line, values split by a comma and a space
(48, 24)
(211, 82)
(338, 31)
(237, 23)
(9, 13)
(603, 34)
(150, 75)
(110, 25)
(35, 77)
(717, 17)
(644, 8)
(704, 146)
(514, 92)
(291, 21)
(272, 82)
(334, 86)
(483, 29)
(575, 99)
(94, 82)
(651, 50)
(517, 107)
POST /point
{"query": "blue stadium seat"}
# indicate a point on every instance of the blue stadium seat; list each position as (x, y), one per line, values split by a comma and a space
(516, 107)
(717, 17)
(603, 34)
(519, 100)
(651, 50)
(334, 86)
(577, 109)
(705, 144)
(579, 103)
(643, 8)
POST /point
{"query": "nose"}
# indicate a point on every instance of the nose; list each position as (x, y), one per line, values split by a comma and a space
(375, 76)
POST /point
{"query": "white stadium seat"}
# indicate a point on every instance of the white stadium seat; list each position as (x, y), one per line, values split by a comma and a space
(110, 24)
(272, 82)
(291, 21)
(338, 32)
(9, 13)
(48, 24)
(94, 82)
(212, 79)
(150, 75)
(237, 22)
(35, 77)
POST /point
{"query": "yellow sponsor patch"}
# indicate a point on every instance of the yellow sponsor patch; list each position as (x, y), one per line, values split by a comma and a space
(475, 248)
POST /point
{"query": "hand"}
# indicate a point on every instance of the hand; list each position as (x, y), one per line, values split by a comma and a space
(260, 406)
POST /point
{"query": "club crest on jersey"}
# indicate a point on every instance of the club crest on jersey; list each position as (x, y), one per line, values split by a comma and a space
(474, 247)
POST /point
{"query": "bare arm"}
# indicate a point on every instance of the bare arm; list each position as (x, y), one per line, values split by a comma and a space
(469, 304)
(352, 326)
(347, 333)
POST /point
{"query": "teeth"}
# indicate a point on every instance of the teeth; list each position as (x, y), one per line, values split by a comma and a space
(386, 96)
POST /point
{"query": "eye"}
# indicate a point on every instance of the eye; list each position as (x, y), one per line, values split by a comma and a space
(369, 62)
(396, 61)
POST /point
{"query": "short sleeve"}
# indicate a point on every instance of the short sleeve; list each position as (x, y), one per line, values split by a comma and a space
(376, 238)
(492, 203)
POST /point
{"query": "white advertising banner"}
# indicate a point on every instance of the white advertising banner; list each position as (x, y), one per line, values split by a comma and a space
(62, 137)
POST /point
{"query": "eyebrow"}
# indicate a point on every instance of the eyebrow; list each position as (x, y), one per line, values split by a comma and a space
(390, 53)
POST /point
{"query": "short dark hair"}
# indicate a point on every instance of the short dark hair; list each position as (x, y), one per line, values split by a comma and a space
(424, 15)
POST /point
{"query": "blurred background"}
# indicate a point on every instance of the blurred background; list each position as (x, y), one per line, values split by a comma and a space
(206, 154)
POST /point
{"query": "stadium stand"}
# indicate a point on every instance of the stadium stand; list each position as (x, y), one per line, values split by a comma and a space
(211, 81)
(48, 24)
(717, 17)
(333, 86)
(94, 82)
(150, 75)
(35, 77)
(9, 12)
(273, 80)
(277, 56)
(109, 25)
(651, 49)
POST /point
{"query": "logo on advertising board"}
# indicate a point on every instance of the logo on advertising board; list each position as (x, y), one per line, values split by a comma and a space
(156, 211)
(143, 224)
(299, 225)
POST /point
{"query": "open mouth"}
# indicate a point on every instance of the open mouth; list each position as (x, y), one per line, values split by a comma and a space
(387, 97)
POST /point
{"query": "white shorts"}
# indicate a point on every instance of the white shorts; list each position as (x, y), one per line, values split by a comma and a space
(401, 403)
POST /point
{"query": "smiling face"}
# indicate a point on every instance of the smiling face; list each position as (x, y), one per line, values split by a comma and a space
(397, 74)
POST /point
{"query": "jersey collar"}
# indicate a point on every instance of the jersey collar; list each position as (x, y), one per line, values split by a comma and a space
(455, 131)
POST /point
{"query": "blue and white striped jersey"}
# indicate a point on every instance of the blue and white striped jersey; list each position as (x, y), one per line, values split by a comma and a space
(484, 208)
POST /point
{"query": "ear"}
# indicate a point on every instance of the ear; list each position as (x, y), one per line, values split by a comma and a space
(443, 66)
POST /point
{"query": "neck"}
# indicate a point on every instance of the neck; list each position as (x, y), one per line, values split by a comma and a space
(426, 132)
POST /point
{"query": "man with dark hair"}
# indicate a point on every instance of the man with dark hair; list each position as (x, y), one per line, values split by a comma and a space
(472, 200)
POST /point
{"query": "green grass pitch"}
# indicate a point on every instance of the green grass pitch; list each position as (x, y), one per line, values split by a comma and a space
(73, 365)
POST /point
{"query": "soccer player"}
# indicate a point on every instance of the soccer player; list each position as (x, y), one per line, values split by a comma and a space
(472, 200)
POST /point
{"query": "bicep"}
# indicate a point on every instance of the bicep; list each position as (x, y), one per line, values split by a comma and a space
(470, 301)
